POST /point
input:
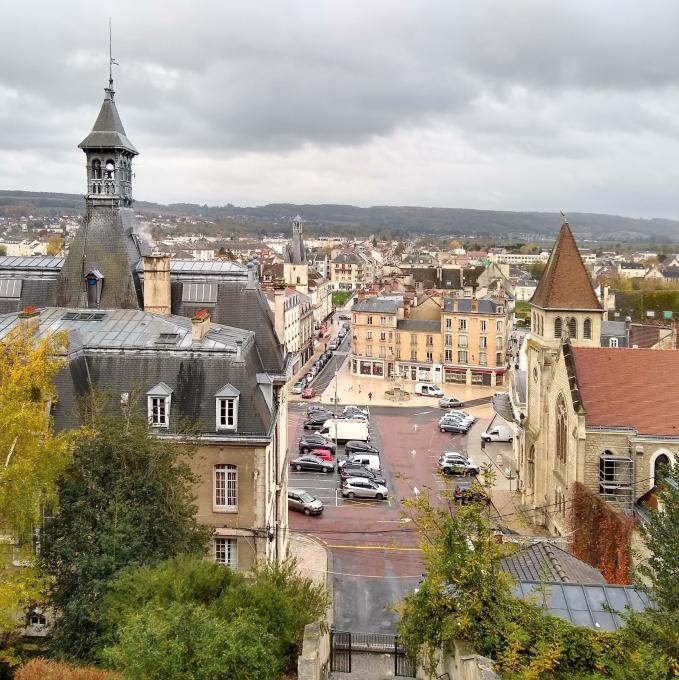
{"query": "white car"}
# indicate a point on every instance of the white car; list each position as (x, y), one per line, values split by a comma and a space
(457, 418)
(360, 487)
(298, 387)
(363, 410)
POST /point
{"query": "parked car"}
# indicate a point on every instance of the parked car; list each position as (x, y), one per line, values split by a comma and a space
(303, 501)
(342, 430)
(452, 463)
(450, 402)
(311, 408)
(345, 317)
(360, 487)
(354, 415)
(457, 418)
(370, 460)
(323, 454)
(298, 387)
(311, 464)
(498, 433)
(309, 393)
(316, 420)
(357, 470)
(363, 410)
(309, 377)
(342, 332)
(312, 372)
(470, 492)
(454, 426)
(328, 355)
(354, 446)
(310, 441)
(428, 390)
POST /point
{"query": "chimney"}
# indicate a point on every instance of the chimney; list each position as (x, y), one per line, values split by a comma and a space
(455, 304)
(628, 326)
(475, 303)
(279, 310)
(239, 350)
(200, 325)
(157, 283)
(29, 320)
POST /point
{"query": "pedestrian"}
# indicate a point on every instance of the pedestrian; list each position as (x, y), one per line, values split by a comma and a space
(370, 396)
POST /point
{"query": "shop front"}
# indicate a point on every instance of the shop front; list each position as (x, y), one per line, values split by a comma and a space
(367, 367)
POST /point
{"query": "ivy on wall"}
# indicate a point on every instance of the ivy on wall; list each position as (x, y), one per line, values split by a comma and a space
(600, 534)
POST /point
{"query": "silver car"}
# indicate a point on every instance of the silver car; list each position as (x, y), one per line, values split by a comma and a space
(360, 487)
(303, 501)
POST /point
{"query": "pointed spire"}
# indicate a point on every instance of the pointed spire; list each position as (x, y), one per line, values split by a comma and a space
(565, 283)
(108, 131)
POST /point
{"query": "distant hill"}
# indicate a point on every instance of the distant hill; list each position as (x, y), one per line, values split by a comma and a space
(408, 219)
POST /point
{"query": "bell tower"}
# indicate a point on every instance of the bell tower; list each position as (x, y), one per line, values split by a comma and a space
(100, 270)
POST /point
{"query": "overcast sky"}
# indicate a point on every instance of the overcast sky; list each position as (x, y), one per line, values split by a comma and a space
(517, 105)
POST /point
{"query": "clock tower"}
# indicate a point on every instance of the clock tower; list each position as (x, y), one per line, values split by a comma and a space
(100, 269)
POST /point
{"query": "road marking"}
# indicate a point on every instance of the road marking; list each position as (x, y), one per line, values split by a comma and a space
(393, 521)
(372, 547)
(422, 413)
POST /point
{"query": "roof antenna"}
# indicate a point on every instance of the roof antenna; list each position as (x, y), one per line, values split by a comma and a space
(111, 60)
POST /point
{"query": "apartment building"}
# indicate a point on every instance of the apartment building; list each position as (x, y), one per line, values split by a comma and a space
(474, 340)
(348, 271)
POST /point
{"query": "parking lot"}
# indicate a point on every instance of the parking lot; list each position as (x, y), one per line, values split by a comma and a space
(326, 486)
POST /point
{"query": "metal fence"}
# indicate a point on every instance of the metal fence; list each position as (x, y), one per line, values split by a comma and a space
(344, 643)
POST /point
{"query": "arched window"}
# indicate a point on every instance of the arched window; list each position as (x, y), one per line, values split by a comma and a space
(573, 327)
(613, 342)
(557, 327)
(96, 169)
(561, 431)
(533, 322)
(110, 169)
(541, 321)
(531, 467)
(660, 466)
(587, 329)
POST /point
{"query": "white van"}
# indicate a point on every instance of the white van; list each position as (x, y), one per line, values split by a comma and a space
(497, 433)
(343, 430)
(370, 460)
(428, 390)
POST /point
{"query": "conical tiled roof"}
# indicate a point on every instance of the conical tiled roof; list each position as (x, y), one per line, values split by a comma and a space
(108, 131)
(565, 283)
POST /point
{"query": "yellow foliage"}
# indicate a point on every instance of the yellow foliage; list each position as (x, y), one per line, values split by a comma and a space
(32, 455)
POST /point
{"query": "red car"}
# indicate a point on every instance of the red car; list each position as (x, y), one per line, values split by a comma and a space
(308, 393)
(323, 454)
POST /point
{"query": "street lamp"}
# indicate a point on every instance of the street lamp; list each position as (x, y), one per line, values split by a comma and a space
(335, 411)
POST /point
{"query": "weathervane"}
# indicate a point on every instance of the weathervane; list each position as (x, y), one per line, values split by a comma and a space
(111, 60)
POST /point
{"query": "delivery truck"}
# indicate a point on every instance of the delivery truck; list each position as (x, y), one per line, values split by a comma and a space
(342, 430)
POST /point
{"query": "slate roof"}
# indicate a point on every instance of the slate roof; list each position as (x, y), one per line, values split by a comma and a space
(634, 388)
(423, 325)
(464, 305)
(132, 351)
(452, 279)
(670, 272)
(241, 305)
(108, 130)
(48, 263)
(347, 258)
(377, 305)
(565, 283)
(547, 562)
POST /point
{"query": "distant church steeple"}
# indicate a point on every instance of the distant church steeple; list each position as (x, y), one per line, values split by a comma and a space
(100, 269)
(296, 251)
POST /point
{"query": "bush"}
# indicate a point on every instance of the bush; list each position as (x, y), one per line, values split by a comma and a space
(40, 669)
(189, 616)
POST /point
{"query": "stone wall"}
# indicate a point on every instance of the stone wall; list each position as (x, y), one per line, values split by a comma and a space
(313, 662)
(462, 664)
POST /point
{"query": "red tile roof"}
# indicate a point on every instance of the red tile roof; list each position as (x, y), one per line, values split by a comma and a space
(565, 283)
(629, 388)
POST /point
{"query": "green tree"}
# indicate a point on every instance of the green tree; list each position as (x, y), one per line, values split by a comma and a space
(537, 269)
(126, 499)
(400, 248)
(55, 245)
(188, 617)
(466, 596)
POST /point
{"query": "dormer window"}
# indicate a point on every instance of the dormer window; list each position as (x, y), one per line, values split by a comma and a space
(159, 400)
(226, 402)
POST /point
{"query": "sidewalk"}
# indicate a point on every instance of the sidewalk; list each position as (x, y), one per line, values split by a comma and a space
(354, 389)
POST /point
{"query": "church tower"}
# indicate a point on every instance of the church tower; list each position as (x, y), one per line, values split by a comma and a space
(100, 269)
(563, 309)
(297, 249)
